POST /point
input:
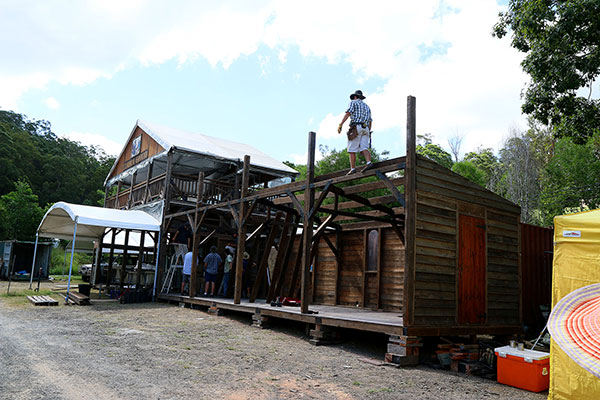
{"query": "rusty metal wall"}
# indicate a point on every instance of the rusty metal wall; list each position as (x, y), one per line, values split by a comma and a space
(536, 270)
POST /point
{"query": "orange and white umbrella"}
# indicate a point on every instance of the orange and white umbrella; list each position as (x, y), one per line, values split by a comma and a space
(575, 327)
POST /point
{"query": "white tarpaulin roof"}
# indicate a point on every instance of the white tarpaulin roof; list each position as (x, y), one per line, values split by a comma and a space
(211, 146)
(59, 221)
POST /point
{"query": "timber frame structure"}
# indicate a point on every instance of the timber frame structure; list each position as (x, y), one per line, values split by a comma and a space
(408, 248)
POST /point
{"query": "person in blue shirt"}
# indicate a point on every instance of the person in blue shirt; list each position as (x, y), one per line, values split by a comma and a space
(187, 270)
(211, 264)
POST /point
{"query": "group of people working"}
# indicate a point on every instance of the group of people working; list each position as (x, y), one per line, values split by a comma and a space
(211, 264)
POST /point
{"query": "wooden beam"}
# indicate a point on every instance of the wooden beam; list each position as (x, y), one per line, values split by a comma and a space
(250, 211)
(309, 201)
(258, 230)
(281, 252)
(297, 261)
(391, 187)
(323, 226)
(196, 223)
(333, 249)
(148, 178)
(124, 261)
(166, 223)
(379, 255)
(410, 212)
(362, 200)
(207, 237)
(296, 203)
(237, 297)
(236, 216)
(358, 216)
(322, 197)
(338, 262)
(116, 205)
(289, 248)
(138, 275)
(130, 197)
(111, 258)
(364, 265)
(262, 268)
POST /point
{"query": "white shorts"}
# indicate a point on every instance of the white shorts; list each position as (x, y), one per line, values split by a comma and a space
(361, 142)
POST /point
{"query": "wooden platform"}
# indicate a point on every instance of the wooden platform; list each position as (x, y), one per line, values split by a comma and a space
(344, 317)
(42, 301)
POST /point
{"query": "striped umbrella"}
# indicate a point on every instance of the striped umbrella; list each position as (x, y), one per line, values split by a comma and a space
(575, 327)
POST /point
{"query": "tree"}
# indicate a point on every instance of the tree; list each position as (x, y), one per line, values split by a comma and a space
(435, 153)
(20, 213)
(469, 170)
(54, 167)
(517, 176)
(561, 40)
(485, 160)
(571, 178)
(455, 143)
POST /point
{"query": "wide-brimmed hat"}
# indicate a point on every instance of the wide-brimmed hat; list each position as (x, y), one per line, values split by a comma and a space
(246, 255)
(574, 326)
(358, 94)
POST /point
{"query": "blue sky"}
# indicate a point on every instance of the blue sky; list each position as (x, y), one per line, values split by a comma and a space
(264, 74)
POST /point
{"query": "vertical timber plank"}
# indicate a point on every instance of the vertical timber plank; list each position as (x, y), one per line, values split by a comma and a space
(411, 209)
(162, 249)
(124, 261)
(237, 297)
(138, 275)
(309, 200)
(196, 233)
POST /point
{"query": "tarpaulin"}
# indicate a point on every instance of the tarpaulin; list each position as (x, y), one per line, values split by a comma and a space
(576, 265)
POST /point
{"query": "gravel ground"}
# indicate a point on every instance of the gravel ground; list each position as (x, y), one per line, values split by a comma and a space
(160, 351)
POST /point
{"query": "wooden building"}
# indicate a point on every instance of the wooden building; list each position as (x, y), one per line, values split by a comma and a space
(408, 248)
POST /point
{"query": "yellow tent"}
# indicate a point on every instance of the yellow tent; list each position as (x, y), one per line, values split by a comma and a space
(576, 264)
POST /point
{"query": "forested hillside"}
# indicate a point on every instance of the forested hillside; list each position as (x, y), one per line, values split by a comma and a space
(39, 168)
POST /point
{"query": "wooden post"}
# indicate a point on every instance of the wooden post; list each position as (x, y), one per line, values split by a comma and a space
(410, 211)
(111, 258)
(147, 188)
(116, 205)
(130, 197)
(162, 249)
(262, 268)
(196, 231)
(124, 261)
(106, 190)
(239, 256)
(309, 201)
(138, 275)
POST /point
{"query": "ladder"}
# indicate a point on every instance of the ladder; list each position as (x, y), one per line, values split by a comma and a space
(180, 250)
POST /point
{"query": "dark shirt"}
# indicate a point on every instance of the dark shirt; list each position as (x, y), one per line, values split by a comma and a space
(183, 234)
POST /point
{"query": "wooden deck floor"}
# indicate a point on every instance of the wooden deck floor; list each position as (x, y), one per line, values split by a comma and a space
(345, 317)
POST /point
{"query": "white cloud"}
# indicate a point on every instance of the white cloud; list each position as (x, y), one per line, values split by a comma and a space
(440, 51)
(52, 103)
(110, 147)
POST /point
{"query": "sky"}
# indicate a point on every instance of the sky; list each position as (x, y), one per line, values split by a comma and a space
(261, 72)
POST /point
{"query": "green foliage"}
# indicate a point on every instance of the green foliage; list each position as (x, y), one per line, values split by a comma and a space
(570, 180)
(20, 213)
(485, 160)
(59, 264)
(435, 153)
(469, 170)
(561, 40)
(57, 169)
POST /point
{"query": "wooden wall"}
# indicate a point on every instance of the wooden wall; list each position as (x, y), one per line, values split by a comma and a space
(347, 283)
(149, 147)
(439, 298)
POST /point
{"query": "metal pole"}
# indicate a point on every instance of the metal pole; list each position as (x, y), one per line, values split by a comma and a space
(33, 263)
(71, 265)
(156, 267)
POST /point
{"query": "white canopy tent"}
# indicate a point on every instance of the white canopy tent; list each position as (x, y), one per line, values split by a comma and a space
(87, 223)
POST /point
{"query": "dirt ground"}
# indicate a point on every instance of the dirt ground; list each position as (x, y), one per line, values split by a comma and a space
(159, 351)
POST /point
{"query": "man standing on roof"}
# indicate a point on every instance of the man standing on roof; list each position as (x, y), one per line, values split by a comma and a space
(360, 130)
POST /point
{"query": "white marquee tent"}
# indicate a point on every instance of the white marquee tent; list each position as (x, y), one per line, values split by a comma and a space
(87, 223)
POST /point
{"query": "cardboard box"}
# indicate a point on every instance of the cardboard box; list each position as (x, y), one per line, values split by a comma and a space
(524, 369)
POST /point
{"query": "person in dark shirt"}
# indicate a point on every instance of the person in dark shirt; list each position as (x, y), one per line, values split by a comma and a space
(184, 235)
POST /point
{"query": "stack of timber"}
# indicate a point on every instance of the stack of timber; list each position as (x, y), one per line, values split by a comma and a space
(324, 335)
(403, 350)
(79, 298)
(42, 301)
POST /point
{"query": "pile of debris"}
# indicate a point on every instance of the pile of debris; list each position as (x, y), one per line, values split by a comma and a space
(472, 359)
